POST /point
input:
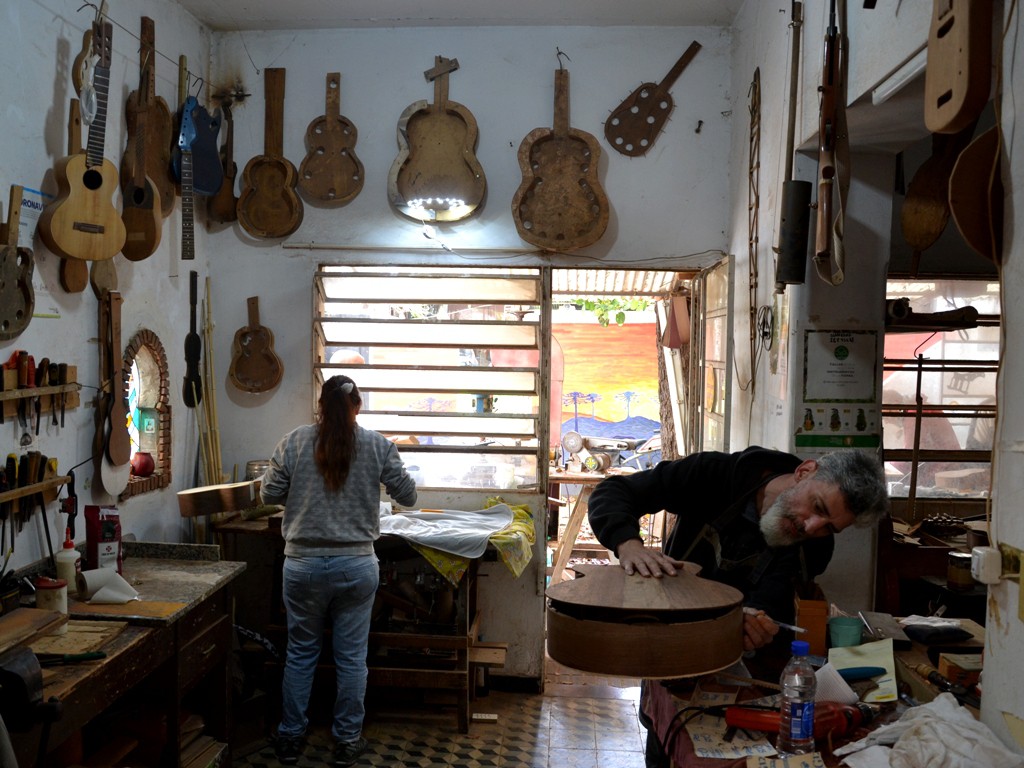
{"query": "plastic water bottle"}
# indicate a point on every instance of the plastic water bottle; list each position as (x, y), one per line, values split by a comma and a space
(796, 721)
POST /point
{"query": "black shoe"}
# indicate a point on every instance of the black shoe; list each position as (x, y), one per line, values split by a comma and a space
(288, 749)
(346, 752)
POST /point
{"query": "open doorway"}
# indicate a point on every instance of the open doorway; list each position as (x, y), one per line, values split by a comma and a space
(608, 393)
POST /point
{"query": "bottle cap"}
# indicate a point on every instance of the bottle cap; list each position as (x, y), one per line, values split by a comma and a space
(68, 543)
(800, 647)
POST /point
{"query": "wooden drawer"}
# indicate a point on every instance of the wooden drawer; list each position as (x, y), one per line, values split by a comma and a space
(200, 655)
(205, 615)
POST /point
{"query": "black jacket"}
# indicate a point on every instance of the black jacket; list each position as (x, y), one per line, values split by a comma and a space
(715, 489)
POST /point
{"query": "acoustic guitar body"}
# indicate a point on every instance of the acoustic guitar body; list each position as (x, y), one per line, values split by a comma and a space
(560, 204)
(331, 174)
(142, 220)
(150, 123)
(82, 222)
(598, 621)
(157, 139)
(436, 174)
(959, 72)
(223, 206)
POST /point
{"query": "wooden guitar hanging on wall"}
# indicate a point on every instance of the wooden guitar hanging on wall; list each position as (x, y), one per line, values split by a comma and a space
(634, 125)
(331, 174)
(82, 222)
(560, 204)
(17, 297)
(150, 130)
(436, 175)
(269, 205)
(255, 366)
(223, 206)
(959, 72)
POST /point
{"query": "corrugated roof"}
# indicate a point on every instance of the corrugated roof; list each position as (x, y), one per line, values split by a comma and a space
(612, 282)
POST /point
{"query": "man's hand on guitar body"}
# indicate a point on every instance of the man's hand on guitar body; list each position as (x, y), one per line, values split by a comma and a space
(634, 557)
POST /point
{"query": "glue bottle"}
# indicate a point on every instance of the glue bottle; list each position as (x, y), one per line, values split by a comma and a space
(69, 562)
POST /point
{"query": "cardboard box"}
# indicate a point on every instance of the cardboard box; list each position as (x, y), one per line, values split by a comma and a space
(812, 615)
(961, 668)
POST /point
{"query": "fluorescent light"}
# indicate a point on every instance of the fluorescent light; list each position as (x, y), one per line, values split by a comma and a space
(899, 79)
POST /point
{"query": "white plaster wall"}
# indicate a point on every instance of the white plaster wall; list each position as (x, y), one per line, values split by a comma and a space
(39, 39)
(665, 206)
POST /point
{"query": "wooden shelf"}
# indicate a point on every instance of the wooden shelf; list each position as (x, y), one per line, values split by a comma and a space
(28, 392)
(34, 488)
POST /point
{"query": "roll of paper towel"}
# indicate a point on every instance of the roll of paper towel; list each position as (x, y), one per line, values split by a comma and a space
(104, 585)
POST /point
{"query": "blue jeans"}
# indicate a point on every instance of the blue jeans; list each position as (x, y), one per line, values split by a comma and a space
(321, 592)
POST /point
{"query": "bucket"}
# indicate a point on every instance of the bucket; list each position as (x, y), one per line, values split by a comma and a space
(254, 469)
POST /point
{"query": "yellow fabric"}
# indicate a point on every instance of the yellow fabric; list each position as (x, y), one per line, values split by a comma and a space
(514, 544)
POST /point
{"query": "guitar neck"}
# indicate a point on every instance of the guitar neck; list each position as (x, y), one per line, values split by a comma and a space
(188, 243)
(98, 127)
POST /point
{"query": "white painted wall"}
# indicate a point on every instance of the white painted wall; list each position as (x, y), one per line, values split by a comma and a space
(39, 39)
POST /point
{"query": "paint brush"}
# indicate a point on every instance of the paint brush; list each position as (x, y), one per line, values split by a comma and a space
(755, 612)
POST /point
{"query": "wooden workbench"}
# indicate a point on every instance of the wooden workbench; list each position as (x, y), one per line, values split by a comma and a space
(177, 638)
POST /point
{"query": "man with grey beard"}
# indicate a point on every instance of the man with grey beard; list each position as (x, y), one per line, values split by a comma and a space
(759, 520)
(762, 521)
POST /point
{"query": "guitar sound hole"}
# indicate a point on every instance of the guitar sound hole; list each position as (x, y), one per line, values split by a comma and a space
(138, 196)
(92, 179)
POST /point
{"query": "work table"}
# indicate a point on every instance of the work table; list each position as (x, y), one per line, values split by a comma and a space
(170, 658)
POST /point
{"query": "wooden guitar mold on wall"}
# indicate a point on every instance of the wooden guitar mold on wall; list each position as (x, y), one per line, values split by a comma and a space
(436, 175)
(17, 297)
(331, 173)
(560, 204)
(255, 367)
(269, 205)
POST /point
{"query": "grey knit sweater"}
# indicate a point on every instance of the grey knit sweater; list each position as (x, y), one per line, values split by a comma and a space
(320, 522)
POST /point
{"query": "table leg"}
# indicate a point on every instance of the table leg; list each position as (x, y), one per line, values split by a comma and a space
(572, 530)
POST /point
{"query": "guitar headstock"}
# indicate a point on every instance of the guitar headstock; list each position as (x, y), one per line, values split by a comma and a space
(187, 134)
(102, 36)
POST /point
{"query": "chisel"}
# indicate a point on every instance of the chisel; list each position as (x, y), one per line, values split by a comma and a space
(52, 659)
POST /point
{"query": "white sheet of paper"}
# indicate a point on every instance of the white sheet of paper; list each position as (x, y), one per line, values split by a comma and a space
(876, 654)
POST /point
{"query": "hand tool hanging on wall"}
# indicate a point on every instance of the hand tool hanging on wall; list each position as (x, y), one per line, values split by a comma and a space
(192, 385)
(42, 378)
(69, 505)
(795, 218)
(833, 152)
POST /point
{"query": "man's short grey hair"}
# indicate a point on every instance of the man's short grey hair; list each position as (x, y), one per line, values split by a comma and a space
(861, 480)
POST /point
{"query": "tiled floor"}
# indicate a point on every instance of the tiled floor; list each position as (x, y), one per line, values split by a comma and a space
(580, 722)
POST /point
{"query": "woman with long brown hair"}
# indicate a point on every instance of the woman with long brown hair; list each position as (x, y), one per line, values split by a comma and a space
(328, 477)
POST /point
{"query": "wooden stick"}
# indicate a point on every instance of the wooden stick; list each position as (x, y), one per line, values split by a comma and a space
(208, 333)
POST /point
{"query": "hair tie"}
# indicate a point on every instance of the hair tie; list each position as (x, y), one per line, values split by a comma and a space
(347, 387)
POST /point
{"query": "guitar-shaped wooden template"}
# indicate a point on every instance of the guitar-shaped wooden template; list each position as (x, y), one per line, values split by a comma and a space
(255, 367)
(436, 175)
(155, 134)
(635, 124)
(82, 222)
(957, 80)
(331, 174)
(17, 297)
(560, 204)
(223, 206)
(269, 206)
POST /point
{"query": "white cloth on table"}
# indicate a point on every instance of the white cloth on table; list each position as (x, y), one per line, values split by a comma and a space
(939, 734)
(455, 531)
